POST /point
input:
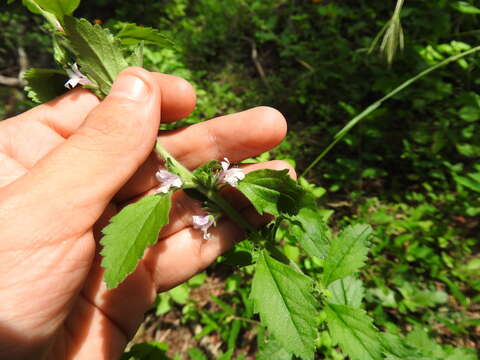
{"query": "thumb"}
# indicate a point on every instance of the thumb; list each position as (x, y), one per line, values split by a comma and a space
(79, 178)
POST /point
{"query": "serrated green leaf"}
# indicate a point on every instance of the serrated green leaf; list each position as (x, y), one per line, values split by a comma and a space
(353, 330)
(44, 84)
(396, 348)
(420, 339)
(129, 233)
(286, 305)
(132, 34)
(60, 53)
(347, 291)
(272, 191)
(347, 253)
(273, 350)
(99, 56)
(309, 228)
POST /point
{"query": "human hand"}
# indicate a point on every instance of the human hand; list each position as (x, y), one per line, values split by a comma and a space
(69, 165)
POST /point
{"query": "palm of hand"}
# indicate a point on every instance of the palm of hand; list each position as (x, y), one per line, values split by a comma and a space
(59, 170)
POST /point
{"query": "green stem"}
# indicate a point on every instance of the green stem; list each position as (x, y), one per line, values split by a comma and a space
(378, 103)
(229, 210)
(211, 194)
(172, 164)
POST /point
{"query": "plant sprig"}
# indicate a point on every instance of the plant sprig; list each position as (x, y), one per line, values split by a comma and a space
(288, 301)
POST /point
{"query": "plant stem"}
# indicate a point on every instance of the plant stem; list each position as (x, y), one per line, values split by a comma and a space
(231, 212)
(173, 164)
(378, 103)
(212, 194)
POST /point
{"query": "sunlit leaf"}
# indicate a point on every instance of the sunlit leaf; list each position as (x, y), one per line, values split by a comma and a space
(347, 253)
(44, 84)
(283, 298)
(99, 56)
(309, 229)
(353, 330)
(129, 233)
(272, 191)
(347, 291)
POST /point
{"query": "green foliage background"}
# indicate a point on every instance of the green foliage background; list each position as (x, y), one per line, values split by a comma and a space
(411, 170)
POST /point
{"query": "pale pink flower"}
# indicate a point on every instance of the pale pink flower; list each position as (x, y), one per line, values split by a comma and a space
(167, 180)
(76, 77)
(203, 222)
(231, 176)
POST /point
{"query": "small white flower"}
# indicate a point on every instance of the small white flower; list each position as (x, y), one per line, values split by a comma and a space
(167, 181)
(203, 222)
(76, 77)
(231, 176)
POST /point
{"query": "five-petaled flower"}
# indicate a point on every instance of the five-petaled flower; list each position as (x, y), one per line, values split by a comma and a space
(76, 77)
(203, 222)
(167, 180)
(231, 176)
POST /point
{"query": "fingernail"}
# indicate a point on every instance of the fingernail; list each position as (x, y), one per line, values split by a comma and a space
(130, 87)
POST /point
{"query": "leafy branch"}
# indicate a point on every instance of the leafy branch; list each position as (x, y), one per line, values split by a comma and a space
(288, 301)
